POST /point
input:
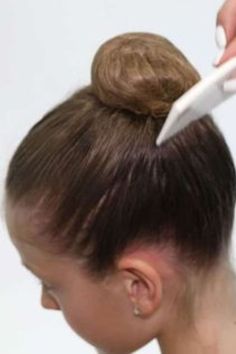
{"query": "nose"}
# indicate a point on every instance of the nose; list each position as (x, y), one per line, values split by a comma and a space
(48, 302)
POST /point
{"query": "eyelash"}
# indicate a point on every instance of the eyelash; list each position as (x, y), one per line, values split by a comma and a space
(46, 287)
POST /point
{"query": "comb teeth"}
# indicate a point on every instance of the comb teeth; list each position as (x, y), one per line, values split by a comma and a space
(199, 100)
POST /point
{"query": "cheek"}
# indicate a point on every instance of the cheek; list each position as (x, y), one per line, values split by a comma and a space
(102, 322)
(88, 316)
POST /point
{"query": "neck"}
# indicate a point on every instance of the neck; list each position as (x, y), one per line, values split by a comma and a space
(213, 326)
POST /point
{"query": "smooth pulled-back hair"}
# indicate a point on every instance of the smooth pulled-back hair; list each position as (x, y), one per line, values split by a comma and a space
(91, 175)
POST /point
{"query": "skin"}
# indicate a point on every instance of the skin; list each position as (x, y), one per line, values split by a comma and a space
(226, 18)
(102, 312)
(146, 277)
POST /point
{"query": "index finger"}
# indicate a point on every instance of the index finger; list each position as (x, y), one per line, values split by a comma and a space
(226, 17)
(229, 52)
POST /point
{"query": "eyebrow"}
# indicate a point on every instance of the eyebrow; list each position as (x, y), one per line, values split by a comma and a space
(46, 285)
(31, 270)
(26, 266)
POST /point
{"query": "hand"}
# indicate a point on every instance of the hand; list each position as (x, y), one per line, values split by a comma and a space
(226, 32)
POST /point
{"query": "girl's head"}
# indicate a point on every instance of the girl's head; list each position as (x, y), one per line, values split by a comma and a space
(109, 220)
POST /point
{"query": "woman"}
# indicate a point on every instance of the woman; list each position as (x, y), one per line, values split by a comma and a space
(131, 241)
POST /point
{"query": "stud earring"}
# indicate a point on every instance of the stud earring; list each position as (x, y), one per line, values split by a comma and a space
(136, 311)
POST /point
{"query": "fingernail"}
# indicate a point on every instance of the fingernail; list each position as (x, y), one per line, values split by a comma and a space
(230, 86)
(218, 57)
(220, 37)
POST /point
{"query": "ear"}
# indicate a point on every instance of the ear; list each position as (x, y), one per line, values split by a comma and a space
(142, 283)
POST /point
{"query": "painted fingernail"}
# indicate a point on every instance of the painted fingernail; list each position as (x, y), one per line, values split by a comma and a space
(229, 86)
(218, 57)
(220, 37)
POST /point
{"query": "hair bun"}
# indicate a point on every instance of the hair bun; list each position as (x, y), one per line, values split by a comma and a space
(142, 72)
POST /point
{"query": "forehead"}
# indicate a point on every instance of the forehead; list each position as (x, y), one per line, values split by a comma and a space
(16, 221)
(23, 228)
(22, 222)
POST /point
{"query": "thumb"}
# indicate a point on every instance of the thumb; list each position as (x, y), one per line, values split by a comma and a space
(229, 52)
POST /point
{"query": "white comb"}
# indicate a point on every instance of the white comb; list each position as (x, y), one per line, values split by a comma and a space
(199, 100)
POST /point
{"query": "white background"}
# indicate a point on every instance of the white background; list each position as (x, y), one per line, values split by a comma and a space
(46, 52)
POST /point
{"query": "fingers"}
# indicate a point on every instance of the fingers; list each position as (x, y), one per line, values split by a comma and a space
(226, 39)
(228, 53)
(226, 17)
(226, 32)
